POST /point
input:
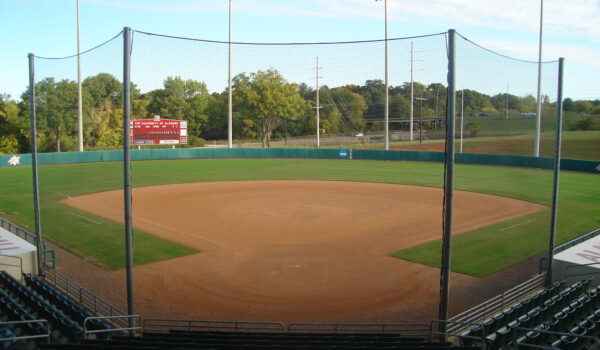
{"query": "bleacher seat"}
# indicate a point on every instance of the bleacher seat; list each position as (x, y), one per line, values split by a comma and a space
(39, 306)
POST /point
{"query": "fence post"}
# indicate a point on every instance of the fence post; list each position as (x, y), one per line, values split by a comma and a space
(127, 170)
(554, 215)
(34, 164)
(448, 183)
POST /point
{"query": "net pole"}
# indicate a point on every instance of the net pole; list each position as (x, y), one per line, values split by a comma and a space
(127, 171)
(448, 183)
(538, 115)
(557, 150)
(412, 93)
(318, 107)
(229, 94)
(79, 95)
(34, 167)
(387, 92)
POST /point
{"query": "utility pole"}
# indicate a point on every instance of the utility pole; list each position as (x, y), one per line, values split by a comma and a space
(437, 98)
(538, 114)
(318, 107)
(79, 98)
(412, 93)
(230, 96)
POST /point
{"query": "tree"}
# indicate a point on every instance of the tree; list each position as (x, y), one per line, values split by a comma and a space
(56, 104)
(184, 100)
(473, 128)
(351, 106)
(266, 99)
(9, 125)
(374, 94)
(103, 87)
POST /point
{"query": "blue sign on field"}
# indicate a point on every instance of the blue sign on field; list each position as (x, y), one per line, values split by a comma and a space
(343, 153)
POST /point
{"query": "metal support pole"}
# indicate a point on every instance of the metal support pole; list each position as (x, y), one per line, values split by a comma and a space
(538, 115)
(127, 168)
(318, 107)
(34, 167)
(449, 181)
(557, 149)
(230, 94)
(79, 98)
(412, 93)
(462, 118)
(387, 92)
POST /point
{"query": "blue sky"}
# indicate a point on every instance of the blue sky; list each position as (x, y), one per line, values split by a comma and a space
(48, 27)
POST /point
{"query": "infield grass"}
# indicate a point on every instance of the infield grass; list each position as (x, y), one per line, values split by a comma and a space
(478, 252)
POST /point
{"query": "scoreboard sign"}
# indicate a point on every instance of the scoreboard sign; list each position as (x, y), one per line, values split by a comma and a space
(158, 131)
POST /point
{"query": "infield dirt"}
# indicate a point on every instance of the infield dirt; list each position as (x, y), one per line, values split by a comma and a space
(292, 251)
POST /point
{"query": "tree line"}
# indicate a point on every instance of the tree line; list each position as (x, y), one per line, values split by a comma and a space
(265, 106)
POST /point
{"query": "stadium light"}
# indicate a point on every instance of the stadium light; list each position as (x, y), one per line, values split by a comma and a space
(387, 95)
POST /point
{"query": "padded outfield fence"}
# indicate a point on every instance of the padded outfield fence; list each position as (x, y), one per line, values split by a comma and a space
(578, 165)
(441, 86)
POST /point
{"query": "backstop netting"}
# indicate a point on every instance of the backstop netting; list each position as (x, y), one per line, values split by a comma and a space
(89, 245)
(278, 232)
(496, 115)
(306, 218)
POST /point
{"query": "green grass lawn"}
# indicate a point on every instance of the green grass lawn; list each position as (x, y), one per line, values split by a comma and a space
(478, 252)
(575, 145)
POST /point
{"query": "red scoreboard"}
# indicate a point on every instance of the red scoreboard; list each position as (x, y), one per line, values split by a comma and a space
(158, 131)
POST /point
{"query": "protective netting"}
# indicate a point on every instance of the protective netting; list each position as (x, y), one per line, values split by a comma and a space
(351, 86)
(498, 117)
(288, 234)
(88, 244)
(291, 239)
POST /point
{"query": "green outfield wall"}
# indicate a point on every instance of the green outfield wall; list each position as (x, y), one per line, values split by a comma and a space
(584, 166)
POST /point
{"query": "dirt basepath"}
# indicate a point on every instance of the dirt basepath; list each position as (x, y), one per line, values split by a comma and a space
(294, 251)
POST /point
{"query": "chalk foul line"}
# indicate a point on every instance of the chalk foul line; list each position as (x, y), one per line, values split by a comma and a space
(513, 226)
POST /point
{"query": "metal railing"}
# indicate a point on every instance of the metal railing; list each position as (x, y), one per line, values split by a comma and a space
(576, 241)
(543, 264)
(406, 329)
(25, 337)
(165, 325)
(496, 304)
(86, 298)
(446, 334)
(521, 345)
(112, 319)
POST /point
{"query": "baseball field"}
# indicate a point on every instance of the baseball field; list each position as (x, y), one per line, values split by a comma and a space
(295, 239)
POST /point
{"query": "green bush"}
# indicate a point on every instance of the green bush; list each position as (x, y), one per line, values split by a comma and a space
(473, 128)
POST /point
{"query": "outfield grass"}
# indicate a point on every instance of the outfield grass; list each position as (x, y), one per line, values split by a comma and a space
(478, 252)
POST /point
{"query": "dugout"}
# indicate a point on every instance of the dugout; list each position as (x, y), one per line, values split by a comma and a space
(581, 260)
(17, 256)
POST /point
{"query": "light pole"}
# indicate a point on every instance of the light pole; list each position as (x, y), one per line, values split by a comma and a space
(230, 96)
(538, 114)
(79, 99)
(386, 113)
